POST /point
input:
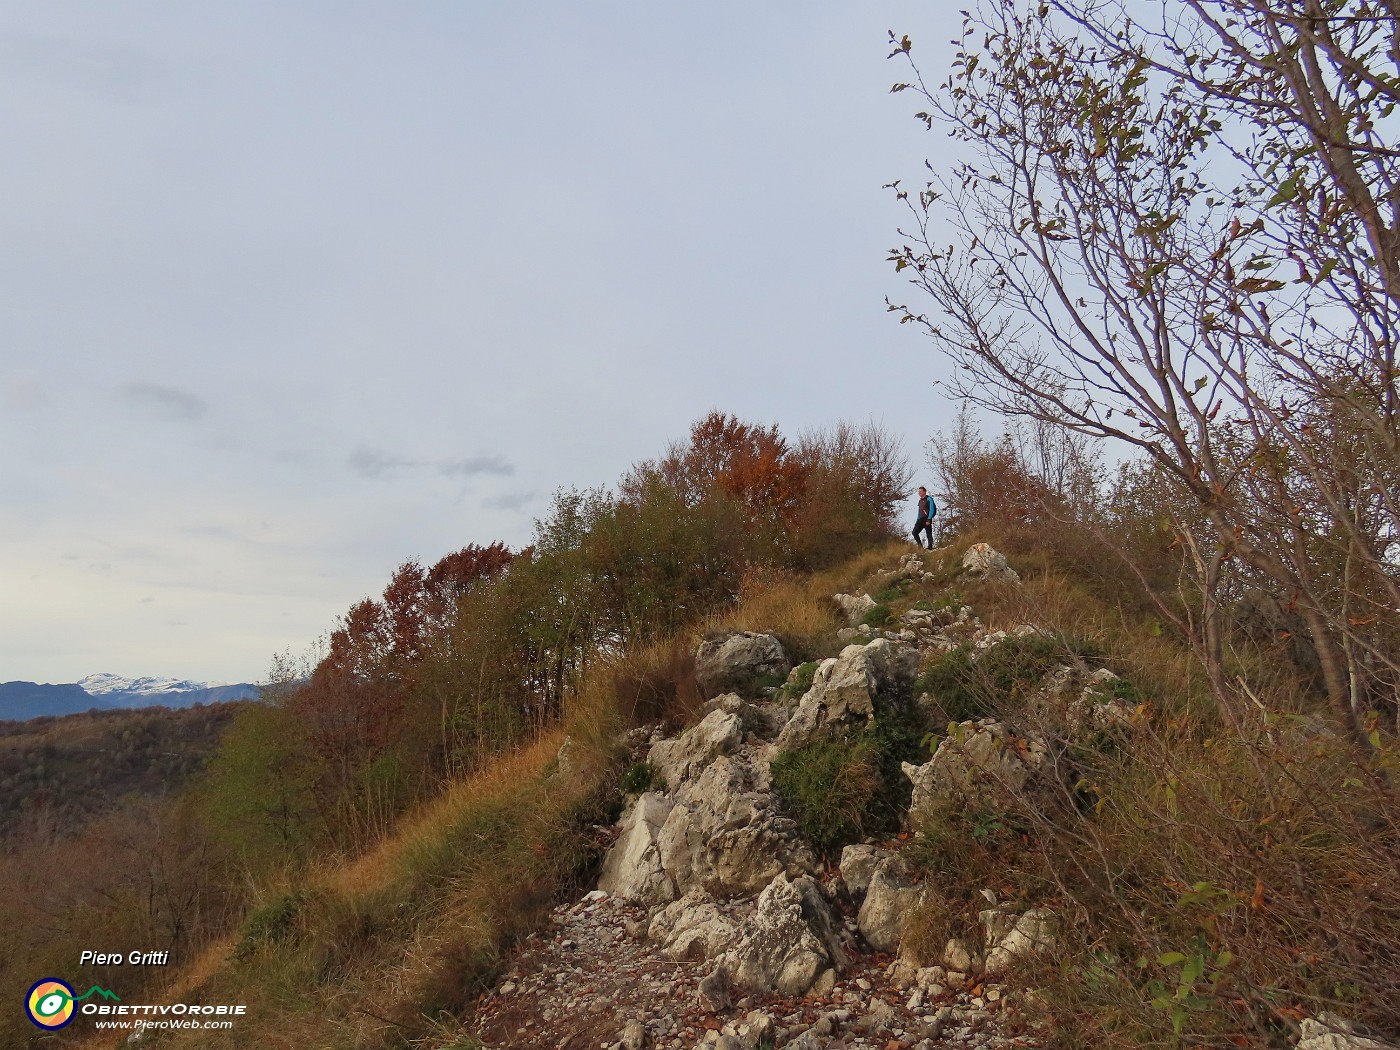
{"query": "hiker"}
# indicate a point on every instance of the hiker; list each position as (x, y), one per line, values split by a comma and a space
(924, 524)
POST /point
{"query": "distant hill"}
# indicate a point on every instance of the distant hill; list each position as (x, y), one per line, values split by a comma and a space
(56, 773)
(104, 692)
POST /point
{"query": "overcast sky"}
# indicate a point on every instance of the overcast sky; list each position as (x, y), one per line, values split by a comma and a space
(292, 292)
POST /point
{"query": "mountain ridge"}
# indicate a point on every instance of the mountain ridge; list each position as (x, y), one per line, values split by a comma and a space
(22, 700)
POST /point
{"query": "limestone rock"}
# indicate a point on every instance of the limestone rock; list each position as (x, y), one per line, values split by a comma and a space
(984, 562)
(844, 689)
(634, 1036)
(739, 663)
(633, 868)
(958, 957)
(677, 759)
(730, 702)
(784, 949)
(997, 922)
(566, 762)
(890, 899)
(726, 837)
(896, 665)
(858, 865)
(1011, 937)
(1096, 708)
(855, 606)
(879, 1016)
(975, 755)
(693, 927)
(756, 1026)
(713, 991)
(1329, 1032)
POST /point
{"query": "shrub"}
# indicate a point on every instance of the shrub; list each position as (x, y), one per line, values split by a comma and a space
(842, 788)
(967, 685)
(878, 616)
(275, 922)
(828, 785)
(642, 777)
(891, 593)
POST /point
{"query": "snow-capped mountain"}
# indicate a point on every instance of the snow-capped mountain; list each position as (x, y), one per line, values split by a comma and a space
(21, 700)
(101, 684)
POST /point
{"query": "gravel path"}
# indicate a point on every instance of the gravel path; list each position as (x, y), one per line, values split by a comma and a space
(593, 981)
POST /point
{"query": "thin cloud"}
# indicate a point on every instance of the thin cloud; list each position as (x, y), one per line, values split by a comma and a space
(509, 501)
(166, 402)
(375, 463)
(372, 463)
(475, 465)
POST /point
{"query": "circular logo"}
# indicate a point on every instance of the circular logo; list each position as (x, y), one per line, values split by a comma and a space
(50, 1003)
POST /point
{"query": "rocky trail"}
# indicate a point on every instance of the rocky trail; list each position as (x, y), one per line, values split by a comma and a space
(715, 924)
(593, 981)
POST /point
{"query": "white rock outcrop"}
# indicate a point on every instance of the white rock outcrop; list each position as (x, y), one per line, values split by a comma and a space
(789, 943)
(984, 562)
(1329, 1032)
(855, 606)
(858, 865)
(890, 899)
(633, 866)
(679, 758)
(976, 756)
(1010, 937)
(844, 689)
(726, 836)
(740, 663)
(694, 927)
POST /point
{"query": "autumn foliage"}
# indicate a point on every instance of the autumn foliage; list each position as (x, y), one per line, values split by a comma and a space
(484, 648)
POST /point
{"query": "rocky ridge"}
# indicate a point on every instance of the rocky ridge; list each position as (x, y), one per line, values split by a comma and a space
(715, 924)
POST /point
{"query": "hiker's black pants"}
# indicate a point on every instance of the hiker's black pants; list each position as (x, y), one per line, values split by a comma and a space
(924, 525)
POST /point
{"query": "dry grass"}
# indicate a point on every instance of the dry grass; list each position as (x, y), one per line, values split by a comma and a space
(418, 925)
(434, 821)
(799, 609)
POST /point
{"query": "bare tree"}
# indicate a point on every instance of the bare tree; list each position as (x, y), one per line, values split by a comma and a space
(1144, 251)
